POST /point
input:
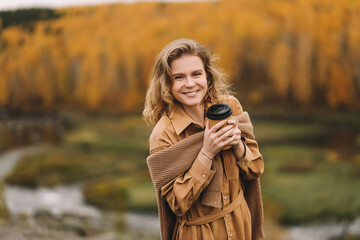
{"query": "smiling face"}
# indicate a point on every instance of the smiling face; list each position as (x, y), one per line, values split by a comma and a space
(189, 83)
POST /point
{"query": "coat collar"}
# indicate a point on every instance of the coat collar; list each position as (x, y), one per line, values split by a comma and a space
(181, 120)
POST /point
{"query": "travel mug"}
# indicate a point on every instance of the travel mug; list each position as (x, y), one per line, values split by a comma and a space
(217, 113)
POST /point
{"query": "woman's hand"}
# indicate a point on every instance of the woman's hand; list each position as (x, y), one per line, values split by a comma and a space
(237, 144)
(218, 137)
(236, 133)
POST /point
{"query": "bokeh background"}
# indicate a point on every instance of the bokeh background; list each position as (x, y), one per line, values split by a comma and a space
(73, 144)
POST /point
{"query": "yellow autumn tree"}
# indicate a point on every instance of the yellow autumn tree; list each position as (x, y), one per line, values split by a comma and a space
(100, 58)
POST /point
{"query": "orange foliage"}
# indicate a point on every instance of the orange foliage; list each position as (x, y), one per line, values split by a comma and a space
(100, 58)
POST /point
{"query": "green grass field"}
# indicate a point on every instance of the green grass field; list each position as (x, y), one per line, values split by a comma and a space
(312, 168)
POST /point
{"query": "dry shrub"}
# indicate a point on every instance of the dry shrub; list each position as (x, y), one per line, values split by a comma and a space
(4, 212)
(107, 193)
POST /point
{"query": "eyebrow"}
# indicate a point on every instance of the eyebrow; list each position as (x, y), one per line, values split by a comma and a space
(198, 70)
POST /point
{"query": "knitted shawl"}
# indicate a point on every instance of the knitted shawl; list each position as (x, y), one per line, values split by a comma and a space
(166, 164)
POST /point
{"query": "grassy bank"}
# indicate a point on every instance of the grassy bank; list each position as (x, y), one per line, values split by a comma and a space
(312, 165)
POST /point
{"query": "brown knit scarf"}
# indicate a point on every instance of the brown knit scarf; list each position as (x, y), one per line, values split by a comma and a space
(167, 164)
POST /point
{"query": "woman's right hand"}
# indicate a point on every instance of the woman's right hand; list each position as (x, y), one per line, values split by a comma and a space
(217, 137)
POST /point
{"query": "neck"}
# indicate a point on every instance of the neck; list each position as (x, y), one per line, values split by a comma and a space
(196, 113)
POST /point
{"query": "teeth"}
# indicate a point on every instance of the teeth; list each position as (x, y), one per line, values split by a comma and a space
(191, 93)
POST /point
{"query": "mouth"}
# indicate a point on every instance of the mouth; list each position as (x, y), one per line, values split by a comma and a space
(192, 93)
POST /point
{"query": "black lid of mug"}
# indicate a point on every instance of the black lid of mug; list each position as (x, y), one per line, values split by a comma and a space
(218, 112)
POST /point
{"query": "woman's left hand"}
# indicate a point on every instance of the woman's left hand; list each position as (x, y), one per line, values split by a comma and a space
(236, 144)
(235, 131)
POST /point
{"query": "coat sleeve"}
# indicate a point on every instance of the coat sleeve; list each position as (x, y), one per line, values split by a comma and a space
(251, 163)
(183, 191)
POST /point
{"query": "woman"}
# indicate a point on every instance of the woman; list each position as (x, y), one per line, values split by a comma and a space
(200, 187)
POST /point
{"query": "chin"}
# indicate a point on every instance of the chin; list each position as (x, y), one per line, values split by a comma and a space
(191, 103)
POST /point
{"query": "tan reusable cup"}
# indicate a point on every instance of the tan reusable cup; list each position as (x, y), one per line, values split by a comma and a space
(218, 112)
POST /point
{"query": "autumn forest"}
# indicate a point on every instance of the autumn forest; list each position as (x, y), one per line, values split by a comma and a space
(302, 53)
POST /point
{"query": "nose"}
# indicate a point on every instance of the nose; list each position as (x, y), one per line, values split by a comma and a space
(189, 82)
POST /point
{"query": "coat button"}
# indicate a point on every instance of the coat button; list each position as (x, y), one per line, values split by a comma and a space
(227, 215)
(203, 176)
(243, 163)
(225, 197)
(230, 235)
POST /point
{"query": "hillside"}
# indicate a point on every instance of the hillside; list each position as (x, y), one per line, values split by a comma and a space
(99, 58)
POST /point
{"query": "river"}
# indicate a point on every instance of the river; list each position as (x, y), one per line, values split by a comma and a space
(66, 200)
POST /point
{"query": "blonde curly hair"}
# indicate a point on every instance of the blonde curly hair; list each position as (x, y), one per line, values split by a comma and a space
(159, 99)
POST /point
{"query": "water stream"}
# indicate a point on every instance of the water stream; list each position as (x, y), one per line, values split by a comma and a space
(325, 231)
(58, 201)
